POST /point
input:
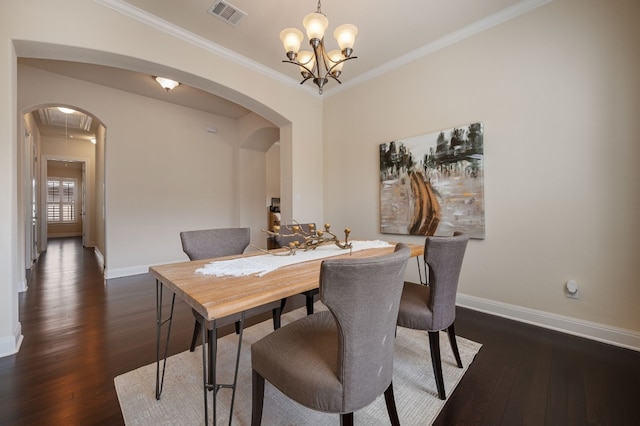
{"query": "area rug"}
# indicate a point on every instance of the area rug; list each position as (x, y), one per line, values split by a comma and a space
(182, 399)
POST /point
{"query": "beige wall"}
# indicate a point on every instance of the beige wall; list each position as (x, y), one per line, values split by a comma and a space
(559, 95)
(273, 173)
(12, 262)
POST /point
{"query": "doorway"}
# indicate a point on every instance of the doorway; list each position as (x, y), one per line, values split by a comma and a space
(64, 168)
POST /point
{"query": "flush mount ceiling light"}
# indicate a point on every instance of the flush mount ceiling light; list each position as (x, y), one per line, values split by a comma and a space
(319, 64)
(66, 110)
(167, 84)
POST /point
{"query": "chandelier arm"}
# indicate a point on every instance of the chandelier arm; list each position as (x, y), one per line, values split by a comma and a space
(303, 66)
(300, 65)
(335, 64)
(325, 60)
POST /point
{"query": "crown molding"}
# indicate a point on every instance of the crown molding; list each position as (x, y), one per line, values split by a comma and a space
(153, 21)
(162, 25)
(449, 39)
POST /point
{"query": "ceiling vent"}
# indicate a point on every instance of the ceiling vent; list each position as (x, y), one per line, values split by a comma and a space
(228, 13)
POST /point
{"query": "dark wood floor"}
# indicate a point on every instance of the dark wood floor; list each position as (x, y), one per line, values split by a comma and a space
(80, 334)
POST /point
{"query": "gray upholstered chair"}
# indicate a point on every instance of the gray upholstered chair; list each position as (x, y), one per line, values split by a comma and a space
(210, 243)
(340, 360)
(283, 241)
(432, 307)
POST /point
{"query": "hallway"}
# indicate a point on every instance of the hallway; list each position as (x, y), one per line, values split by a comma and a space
(78, 335)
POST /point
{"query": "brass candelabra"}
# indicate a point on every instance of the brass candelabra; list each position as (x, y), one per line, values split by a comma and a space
(310, 239)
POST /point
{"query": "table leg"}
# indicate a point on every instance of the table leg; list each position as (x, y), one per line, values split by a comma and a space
(235, 375)
(159, 323)
(208, 376)
(209, 379)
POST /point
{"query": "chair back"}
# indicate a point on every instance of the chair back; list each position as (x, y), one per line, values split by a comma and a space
(284, 240)
(444, 257)
(208, 243)
(364, 295)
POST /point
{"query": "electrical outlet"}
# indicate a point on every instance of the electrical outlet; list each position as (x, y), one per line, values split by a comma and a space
(572, 290)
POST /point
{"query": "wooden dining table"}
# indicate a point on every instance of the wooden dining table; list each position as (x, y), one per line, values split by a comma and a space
(214, 297)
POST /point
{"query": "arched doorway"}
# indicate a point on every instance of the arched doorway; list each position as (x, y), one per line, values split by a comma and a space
(63, 176)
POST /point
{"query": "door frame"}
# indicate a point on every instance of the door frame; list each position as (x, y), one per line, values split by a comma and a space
(84, 201)
(31, 200)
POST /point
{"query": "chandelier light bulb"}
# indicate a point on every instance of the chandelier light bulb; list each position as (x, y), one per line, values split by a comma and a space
(336, 58)
(166, 83)
(291, 39)
(345, 35)
(315, 24)
(307, 59)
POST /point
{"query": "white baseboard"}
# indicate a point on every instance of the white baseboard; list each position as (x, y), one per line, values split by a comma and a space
(64, 234)
(590, 330)
(125, 272)
(100, 257)
(10, 345)
(131, 270)
(22, 286)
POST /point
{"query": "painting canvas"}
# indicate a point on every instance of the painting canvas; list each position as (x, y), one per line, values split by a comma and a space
(433, 184)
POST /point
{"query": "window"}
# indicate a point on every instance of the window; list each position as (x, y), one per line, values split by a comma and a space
(61, 200)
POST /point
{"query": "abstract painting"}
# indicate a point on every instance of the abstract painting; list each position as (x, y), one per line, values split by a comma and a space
(433, 184)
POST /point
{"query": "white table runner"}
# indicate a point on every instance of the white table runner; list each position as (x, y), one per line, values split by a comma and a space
(262, 265)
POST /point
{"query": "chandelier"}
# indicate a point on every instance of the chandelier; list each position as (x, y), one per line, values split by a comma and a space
(319, 64)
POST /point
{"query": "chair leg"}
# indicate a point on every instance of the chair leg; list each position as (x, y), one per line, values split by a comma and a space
(346, 419)
(194, 339)
(454, 345)
(309, 302)
(390, 400)
(257, 398)
(212, 340)
(276, 317)
(434, 345)
(237, 327)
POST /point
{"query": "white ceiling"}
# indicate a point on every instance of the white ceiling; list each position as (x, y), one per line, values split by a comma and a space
(390, 34)
(387, 29)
